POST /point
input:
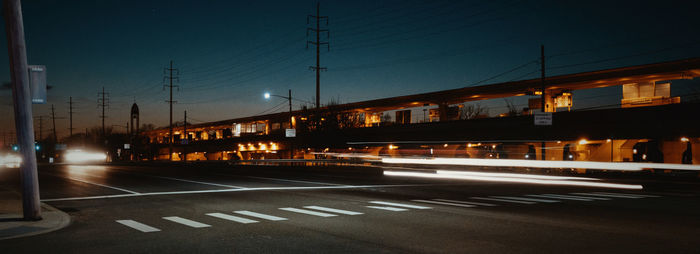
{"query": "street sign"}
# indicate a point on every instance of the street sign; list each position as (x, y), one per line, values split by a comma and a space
(37, 83)
(290, 133)
(543, 118)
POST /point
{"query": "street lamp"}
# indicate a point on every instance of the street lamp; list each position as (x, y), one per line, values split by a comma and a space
(267, 96)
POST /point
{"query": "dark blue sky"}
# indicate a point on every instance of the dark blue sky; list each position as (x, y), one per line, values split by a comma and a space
(230, 52)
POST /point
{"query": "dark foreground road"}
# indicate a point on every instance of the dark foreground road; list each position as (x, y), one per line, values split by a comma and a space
(217, 209)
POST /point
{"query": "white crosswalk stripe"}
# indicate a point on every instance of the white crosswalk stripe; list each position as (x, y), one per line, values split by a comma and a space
(441, 203)
(231, 218)
(465, 202)
(561, 197)
(309, 212)
(528, 199)
(138, 226)
(388, 208)
(332, 210)
(399, 205)
(186, 222)
(260, 215)
(505, 200)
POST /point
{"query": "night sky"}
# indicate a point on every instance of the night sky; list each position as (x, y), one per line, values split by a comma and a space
(230, 52)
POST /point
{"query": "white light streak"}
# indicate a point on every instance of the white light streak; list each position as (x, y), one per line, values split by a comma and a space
(79, 156)
(513, 180)
(617, 166)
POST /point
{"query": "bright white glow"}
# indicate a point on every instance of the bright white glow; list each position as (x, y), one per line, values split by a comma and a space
(513, 175)
(684, 139)
(583, 141)
(10, 160)
(267, 95)
(617, 166)
(514, 180)
(79, 156)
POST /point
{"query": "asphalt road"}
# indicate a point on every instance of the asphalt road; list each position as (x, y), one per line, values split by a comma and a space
(225, 209)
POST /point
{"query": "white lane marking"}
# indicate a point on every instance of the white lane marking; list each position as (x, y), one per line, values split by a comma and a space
(260, 215)
(102, 185)
(332, 210)
(560, 197)
(399, 205)
(388, 208)
(465, 202)
(309, 212)
(231, 218)
(138, 226)
(629, 194)
(528, 199)
(191, 181)
(187, 222)
(441, 203)
(236, 190)
(505, 200)
(292, 181)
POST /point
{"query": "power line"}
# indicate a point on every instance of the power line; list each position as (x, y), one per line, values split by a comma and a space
(103, 101)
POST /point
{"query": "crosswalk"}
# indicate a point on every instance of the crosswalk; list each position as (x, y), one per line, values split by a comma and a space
(248, 217)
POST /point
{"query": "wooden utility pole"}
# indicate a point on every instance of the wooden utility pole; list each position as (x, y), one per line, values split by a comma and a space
(187, 140)
(21, 97)
(171, 78)
(318, 44)
(542, 146)
(70, 116)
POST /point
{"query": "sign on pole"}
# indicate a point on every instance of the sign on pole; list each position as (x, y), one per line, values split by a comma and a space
(37, 83)
(290, 133)
(543, 118)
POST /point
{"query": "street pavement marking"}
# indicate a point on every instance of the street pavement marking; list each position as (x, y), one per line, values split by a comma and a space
(191, 181)
(388, 208)
(332, 210)
(309, 212)
(187, 222)
(561, 197)
(237, 190)
(102, 185)
(231, 218)
(292, 181)
(399, 205)
(138, 226)
(629, 194)
(260, 215)
(505, 200)
(528, 199)
(465, 202)
(441, 203)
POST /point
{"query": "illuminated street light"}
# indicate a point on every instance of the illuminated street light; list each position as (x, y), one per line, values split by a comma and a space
(267, 95)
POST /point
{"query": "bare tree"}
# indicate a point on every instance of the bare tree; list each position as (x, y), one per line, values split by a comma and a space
(472, 111)
(512, 109)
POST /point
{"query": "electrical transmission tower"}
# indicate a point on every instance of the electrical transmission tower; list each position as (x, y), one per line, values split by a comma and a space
(170, 79)
(318, 43)
(103, 101)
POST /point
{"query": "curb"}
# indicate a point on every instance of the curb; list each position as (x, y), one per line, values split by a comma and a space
(53, 219)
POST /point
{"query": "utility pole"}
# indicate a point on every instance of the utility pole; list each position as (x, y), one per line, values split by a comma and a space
(21, 96)
(187, 139)
(543, 97)
(70, 116)
(103, 101)
(53, 118)
(291, 143)
(318, 44)
(41, 127)
(171, 78)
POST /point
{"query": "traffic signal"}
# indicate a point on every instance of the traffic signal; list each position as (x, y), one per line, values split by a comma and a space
(15, 148)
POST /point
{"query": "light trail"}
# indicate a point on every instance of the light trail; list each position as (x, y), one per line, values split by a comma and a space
(616, 166)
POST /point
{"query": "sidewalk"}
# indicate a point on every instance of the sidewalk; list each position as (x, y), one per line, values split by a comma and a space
(12, 225)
